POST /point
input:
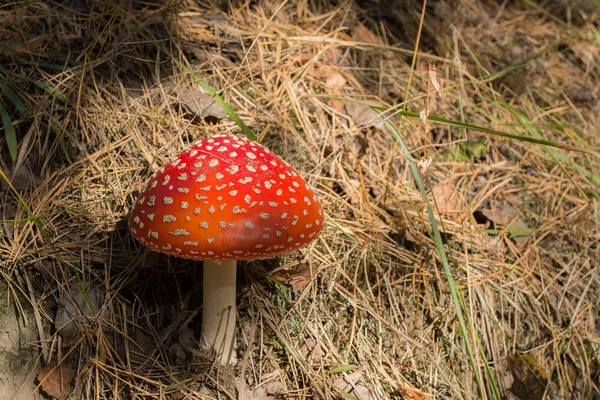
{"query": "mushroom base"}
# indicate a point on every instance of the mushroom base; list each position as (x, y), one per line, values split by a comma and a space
(219, 311)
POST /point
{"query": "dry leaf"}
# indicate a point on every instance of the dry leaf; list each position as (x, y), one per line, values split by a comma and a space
(433, 79)
(336, 104)
(424, 116)
(362, 34)
(297, 277)
(55, 380)
(411, 393)
(508, 217)
(446, 198)
(352, 383)
(310, 350)
(530, 377)
(266, 391)
(424, 164)
(362, 114)
(335, 81)
(201, 104)
(500, 215)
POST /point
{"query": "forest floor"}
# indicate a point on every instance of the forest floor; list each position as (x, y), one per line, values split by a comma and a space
(453, 144)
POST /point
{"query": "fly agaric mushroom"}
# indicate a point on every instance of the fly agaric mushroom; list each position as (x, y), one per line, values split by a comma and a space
(225, 199)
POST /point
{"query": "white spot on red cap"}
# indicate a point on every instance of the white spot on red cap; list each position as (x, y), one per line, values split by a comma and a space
(179, 232)
(232, 169)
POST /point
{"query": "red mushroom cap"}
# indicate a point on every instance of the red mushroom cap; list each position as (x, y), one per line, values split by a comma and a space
(226, 198)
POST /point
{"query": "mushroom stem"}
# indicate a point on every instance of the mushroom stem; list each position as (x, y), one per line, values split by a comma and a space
(218, 313)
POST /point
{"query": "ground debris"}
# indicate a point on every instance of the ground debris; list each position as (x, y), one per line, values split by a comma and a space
(80, 306)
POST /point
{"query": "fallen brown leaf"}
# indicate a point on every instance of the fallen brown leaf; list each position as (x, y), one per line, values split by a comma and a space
(500, 215)
(201, 104)
(335, 81)
(297, 277)
(55, 380)
(267, 391)
(509, 218)
(311, 350)
(352, 383)
(336, 104)
(446, 198)
(364, 115)
(362, 34)
(411, 393)
(530, 377)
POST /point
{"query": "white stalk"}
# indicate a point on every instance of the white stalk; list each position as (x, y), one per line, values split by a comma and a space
(218, 313)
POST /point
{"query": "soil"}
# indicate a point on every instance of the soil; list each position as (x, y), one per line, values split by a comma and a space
(20, 359)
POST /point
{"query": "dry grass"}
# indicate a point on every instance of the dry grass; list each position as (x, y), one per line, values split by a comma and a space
(379, 317)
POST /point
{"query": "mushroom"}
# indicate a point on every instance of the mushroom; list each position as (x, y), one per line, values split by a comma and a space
(225, 199)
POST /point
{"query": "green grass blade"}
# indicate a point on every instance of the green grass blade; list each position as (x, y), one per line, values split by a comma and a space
(559, 158)
(341, 368)
(13, 98)
(522, 138)
(52, 91)
(457, 301)
(9, 132)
